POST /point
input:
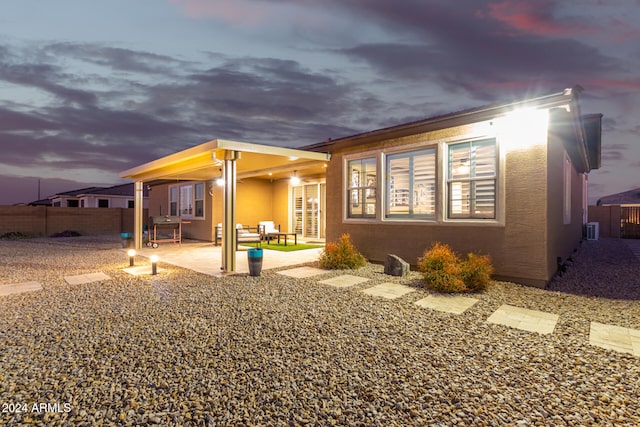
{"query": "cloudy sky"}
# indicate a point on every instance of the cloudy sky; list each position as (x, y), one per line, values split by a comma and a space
(91, 88)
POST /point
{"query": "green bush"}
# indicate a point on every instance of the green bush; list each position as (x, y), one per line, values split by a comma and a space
(14, 235)
(341, 255)
(476, 272)
(444, 271)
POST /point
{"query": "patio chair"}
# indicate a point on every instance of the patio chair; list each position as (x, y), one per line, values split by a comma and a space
(266, 228)
(247, 234)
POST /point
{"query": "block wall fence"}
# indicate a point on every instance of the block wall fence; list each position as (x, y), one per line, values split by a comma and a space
(46, 220)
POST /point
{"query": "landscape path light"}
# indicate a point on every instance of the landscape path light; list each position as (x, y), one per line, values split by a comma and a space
(154, 264)
(132, 254)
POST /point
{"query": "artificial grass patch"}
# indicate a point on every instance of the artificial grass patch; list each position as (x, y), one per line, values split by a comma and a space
(281, 247)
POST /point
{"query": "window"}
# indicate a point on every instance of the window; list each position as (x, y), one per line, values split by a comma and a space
(173, 201)
(73, 203)
(471, 179)
(186, 204)
(187, 200)
(199, 200)
(130, 204)
(361, 188)
(411, 184)
(103, 203)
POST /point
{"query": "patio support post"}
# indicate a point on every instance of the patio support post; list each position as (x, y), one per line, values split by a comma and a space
(138, 205)
(229, 212)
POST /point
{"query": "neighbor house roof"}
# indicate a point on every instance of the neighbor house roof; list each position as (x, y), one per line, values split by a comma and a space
(123, 190)
(630, 197)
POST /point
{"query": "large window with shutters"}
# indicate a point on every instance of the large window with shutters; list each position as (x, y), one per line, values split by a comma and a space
(361, 188)
(471, 179)
(411, 184)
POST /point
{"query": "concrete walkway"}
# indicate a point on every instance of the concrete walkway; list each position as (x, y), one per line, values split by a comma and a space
(634, 245)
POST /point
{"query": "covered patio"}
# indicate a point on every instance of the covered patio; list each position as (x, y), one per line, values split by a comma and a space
(226, 161)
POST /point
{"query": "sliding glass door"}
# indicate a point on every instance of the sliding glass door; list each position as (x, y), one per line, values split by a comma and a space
(308, 216)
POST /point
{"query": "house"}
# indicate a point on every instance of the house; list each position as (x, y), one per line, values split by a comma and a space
(618, 215)
(118, 196)
(626, 198)
(509, 181)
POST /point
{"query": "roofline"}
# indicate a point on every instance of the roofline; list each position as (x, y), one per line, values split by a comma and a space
(565, 97)
(217, 147)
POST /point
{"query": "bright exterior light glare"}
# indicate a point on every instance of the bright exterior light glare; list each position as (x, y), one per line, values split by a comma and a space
(220, 182)
(523, 128)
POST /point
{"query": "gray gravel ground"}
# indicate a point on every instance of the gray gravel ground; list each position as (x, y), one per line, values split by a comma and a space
(186, 349)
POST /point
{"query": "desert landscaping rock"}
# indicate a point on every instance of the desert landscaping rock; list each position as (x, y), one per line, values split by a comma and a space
(187, 349)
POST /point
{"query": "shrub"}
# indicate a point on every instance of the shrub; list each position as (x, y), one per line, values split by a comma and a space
(440, 268)
(66, 233)
(444, 271)
(341, 255)
(13, 235)
(476, 272)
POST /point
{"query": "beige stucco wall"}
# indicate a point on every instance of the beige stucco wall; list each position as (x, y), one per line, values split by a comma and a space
(254, 203)
(518, 245)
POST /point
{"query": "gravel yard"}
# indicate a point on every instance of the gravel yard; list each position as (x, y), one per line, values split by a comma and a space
(186, 349)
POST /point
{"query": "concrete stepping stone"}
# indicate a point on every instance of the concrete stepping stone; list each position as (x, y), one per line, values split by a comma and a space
(525, 319)
(388, 290)
(624, 340)
(455, 304)
(142, 270)
(344, 281)
(17, 288)
(81, 279)
(302, 272)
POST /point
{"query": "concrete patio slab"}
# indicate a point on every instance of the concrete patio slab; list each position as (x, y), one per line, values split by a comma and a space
(388, 290)
(18, 288)
(344, 281)
(624, 340)
(302, 272)
(142, 270)
(455, 304)
(524, 319)
(206, 258)
(86, 278)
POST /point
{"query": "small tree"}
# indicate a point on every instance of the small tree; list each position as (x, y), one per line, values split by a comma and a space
(341, 255)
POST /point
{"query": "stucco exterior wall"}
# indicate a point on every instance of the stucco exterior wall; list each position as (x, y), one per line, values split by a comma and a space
(563, 238)
(517, 244)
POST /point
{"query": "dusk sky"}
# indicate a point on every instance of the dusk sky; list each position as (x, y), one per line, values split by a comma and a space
(91, 88)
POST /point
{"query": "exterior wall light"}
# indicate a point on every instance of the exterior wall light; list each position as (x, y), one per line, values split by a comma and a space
(154, 264)
(525, 128)
(294, 180)
(132, 254)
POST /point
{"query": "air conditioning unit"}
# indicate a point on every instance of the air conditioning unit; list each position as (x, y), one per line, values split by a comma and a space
(593, 230)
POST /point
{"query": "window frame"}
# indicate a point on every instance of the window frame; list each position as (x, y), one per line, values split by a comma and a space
(472, 180)
(410, 154)
(364, 192)
(179, 194)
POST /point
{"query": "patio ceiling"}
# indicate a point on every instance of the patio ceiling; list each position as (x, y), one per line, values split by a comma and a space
(204, 161)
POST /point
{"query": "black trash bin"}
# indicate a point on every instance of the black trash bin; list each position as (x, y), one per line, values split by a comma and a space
(254, 255)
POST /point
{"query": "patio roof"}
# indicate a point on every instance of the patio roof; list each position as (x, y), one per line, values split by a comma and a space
(231, 160)
(203, 162)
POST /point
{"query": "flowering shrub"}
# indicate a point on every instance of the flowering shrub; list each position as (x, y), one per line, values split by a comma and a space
(444, 271)
(341, 255)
